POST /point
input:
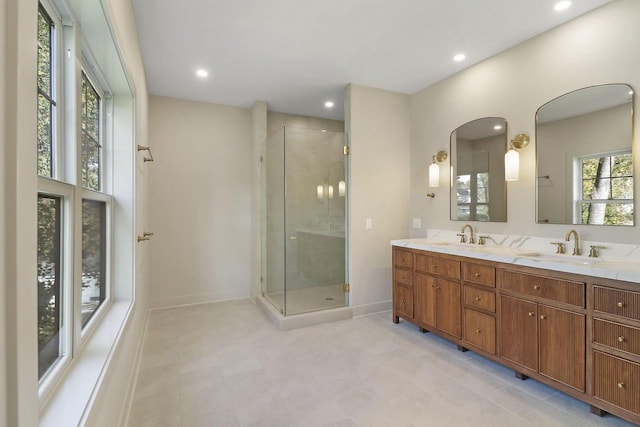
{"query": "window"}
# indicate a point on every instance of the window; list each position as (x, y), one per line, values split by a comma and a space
(50, 295)
(94, 254)
(46, 94)
(473, 196)
(91, 148)
(69, 301)
(606, 191)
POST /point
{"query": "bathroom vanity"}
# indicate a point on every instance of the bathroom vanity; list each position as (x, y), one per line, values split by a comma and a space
(551, 320)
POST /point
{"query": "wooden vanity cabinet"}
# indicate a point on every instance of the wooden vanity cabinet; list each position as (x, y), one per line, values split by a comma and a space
(479, 300)
(543, 338)
(403, 301)
(578, 334)
(438, 293)
(615, 349)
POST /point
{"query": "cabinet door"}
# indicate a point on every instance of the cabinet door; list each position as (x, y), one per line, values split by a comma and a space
(425, 287)
(519, 331)
(403, 302)
(480, 330)
(448, 312)
(562, 346)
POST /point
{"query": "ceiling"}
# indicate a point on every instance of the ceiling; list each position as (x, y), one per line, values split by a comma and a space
(297, 54)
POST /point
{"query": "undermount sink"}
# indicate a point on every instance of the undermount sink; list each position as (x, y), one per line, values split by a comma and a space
(603, 263)
(486, 249)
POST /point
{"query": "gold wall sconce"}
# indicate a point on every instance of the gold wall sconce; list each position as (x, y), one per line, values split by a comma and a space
(148, 150)
(434, 170)
(512, 158)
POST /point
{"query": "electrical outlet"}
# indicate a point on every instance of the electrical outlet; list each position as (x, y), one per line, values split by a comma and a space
(369, 224)
(417, 222)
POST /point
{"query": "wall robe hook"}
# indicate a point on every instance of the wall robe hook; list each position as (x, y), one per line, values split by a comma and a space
(148, 150)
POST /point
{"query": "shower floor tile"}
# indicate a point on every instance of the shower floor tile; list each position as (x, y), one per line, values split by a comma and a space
(309, 299)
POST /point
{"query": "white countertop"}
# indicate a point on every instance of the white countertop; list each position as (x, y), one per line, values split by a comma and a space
(607, 267)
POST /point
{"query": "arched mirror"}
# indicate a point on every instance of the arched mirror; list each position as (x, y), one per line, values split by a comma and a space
(478, 190)
(584, 157)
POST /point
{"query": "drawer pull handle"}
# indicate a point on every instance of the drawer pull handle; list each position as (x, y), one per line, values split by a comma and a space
(477, 274)
(433, 286)
(478, 330)
(536, 287)
(404, 301)
(620, 304)
(543, 316)
(438, 287)
(435, 266)
(620, 385)
(477, 298)
(531, 314)
(620, 339)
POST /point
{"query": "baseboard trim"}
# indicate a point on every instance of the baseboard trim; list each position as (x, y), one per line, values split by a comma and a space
(185, 300)
(369, 309)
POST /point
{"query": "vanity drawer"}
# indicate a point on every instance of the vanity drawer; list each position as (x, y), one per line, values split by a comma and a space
(616, 381)
(480, 330)
(403, 277)
(558, 290)
(479, 298)
(614, 301)
(403, 258)
(480, 274)
(615, 335)
(439, 266)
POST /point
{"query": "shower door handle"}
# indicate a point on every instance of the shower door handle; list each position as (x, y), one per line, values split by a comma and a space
(293, 238)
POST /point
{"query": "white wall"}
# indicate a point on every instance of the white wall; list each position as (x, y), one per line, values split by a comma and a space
(596, 48)
(379, 135)
(200, 202)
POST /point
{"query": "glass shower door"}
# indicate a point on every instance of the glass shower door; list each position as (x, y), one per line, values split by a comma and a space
(314, 220)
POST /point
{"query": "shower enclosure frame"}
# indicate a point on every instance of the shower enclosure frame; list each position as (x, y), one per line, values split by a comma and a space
(304, 255)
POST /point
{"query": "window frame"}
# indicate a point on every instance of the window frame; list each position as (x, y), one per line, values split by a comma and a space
(66, 183)
(66, 192)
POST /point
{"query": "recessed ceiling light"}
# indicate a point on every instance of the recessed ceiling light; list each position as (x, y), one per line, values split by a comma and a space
(497, 127)
(328, 104)
(630, 92)
(324, 130)
(202, 73)
(563, 5)
(459, 57)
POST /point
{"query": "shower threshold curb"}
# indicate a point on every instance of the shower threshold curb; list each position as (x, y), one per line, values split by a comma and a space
(302, 320)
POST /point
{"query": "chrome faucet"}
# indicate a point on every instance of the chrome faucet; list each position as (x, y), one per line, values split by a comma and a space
(576, 247)
(472, 240)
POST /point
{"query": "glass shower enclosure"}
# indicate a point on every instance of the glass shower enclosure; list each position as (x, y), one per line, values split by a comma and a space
(304, 239)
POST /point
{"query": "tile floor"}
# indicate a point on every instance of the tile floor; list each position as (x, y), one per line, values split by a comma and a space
(224, 364)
